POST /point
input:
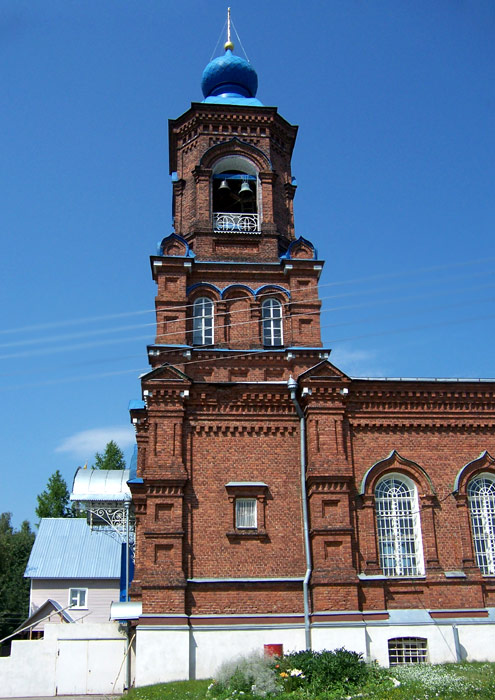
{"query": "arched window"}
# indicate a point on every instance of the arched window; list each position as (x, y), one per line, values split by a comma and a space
(398, 525)
(235, 195)
(481, 496)
(203, 321)
(271, 318)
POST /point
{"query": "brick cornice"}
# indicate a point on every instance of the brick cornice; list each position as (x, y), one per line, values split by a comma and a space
(329, 484)
(398, 424)
(234, 429)
(164, 487)
(423, 397)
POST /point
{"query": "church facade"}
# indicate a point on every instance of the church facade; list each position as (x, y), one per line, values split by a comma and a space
(278, 500)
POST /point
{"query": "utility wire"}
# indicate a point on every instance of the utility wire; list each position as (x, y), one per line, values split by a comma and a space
(236, 355)
(162, 336)
(218, 315)
(410, 274)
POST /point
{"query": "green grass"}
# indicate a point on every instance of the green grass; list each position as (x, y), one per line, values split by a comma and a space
(180, 690)
(417, 682)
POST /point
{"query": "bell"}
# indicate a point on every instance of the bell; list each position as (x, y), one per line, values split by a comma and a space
(224, 185)
(245, 189)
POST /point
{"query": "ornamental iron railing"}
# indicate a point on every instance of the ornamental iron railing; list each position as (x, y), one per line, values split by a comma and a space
(236, 223)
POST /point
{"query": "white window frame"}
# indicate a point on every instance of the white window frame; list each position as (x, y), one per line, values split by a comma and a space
(407, 650)
(77, 592)
(481, 499)
(399, 527)
(246, 513)
(203, 321)
(272, 322)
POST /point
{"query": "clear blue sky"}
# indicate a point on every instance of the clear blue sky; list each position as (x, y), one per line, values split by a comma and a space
(394, 162)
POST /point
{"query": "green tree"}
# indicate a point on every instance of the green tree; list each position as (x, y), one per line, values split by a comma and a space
(53, 502)
(15, 547)
(112, 458)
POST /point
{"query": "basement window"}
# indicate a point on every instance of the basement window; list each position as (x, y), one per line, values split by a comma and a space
(407, 650)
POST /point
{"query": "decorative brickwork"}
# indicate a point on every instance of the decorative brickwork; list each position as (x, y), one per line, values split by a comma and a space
(219, 424)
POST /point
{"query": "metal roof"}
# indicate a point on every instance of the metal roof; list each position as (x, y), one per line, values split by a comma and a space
(126, 610)
(68, 548)
(101, 485)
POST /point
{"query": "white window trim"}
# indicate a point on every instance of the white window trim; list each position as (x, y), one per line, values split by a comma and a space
(272, 323)
(482, 513)
(200, 336)
(388, 523)
(253, 524)
(76, 606)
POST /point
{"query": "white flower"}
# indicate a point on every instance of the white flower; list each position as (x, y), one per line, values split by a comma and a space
(296, 672)
(395, 682)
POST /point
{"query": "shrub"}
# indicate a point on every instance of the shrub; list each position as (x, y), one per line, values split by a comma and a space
(247, 674)
(323, 669)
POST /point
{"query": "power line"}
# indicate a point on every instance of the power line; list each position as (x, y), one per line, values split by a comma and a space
(403, 273)
(237, 355)
(217, 315)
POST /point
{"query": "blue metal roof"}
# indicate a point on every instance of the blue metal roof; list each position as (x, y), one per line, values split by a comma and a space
(230, 79)
(68, 548)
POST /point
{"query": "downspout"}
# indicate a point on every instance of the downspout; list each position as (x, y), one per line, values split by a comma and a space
(292, 386)
(127, 506)
(128, 671)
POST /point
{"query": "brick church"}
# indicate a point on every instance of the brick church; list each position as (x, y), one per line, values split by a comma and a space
(278, 500)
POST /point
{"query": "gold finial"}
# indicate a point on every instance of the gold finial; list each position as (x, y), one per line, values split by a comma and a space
(228, 46)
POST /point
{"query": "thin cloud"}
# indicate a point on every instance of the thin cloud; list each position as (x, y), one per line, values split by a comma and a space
(356, 363)
(87, 442)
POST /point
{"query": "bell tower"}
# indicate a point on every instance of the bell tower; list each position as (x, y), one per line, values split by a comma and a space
(233, 274)
(218, 488)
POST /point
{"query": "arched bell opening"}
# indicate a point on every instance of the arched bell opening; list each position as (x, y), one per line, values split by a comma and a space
(235, 195)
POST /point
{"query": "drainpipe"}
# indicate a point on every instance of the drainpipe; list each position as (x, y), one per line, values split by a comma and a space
(127, 505)
(292, 387)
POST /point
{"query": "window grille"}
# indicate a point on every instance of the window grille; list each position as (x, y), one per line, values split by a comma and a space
(78, 597)
(481, 496)
(203, 321)
(399, 529)
(407, 650)
(245, 513)
(271, 315)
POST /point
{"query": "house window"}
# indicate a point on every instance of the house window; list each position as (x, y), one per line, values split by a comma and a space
(399, 528)
(407, 650)
(203, 321)
(78, 597)
(246, 513)
(271, 317)
(481, 497)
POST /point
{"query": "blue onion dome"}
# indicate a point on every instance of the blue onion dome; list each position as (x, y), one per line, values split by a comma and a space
(230, 79)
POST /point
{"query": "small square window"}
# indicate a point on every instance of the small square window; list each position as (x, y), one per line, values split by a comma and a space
(248, 501)
(78, 597)
(246, 513)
